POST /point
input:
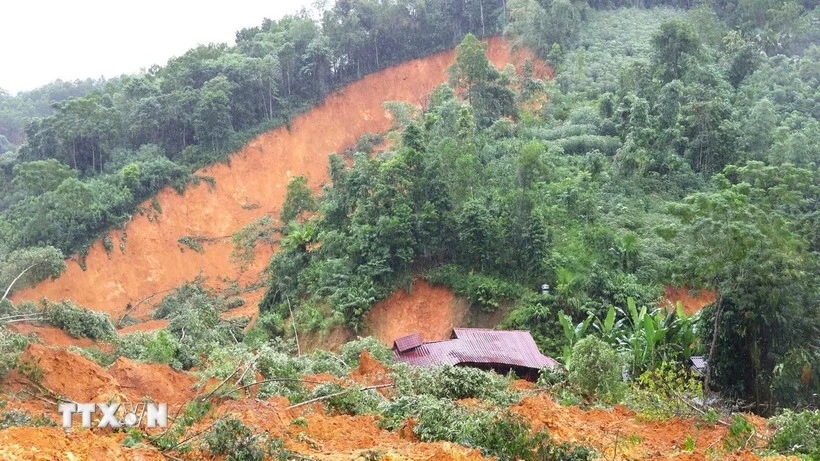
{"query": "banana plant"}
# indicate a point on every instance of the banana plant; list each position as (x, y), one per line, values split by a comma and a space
(609, 329)
(573, 333)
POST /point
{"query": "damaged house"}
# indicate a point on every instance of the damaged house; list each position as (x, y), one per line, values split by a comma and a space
(499, 350)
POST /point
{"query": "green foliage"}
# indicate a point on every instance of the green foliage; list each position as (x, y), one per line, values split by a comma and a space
(596, 370)
(232, 438)
(194, 325)
(741, 433)
(497, 433)
(482, 291)
(192, 242)
(453, 383)
(161, 349)
(349, 401)
(246, 239)
(16, 418)
(11, 346)
(797, 433)
(352, 350)
(674, 44)
(77, 321)
(193, 413)
(665, 392)
(299, 199)
(25, 267)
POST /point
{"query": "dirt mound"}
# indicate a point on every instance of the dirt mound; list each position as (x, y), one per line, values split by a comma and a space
(431, 311)
(346, 437)
(51, 443)
(619, 434)
(72, 375)
(251, 185)
(370, 371)
(160, 382)
(51, 336)
(693, 300)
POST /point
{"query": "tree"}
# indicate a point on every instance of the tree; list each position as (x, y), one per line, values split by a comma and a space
(38, 177)
(212, 117)
(673, 44)
(299, 199)
(472, 68)
(25, 267)
(765, 280)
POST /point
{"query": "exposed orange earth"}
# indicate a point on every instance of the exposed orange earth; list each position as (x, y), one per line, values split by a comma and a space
(428, 310)
(252, 184)
(325, 436)
(692, 300)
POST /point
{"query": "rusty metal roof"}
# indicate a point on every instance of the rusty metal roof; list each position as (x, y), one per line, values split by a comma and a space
(407, 342)
(514, 348)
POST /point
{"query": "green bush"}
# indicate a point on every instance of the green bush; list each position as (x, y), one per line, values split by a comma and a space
(797, 433)
(232, 438)
(14, 418)
(482, 291)
(352, 350)
(79, 322)
(451, 382)
(596, 370)
(161, 349)
(664, 392)
(502, 434)
(11, 346)
(353, 402)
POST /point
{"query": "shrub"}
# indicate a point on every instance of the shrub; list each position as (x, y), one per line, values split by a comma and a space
(232, 438)
(11, 346)
(501, 434)
(482, 291)
(13, 418)
(79, 322)
(320, 361)
(596, 370)
(268, 325)
(352, 402)
(450, 382)
(662, 393)
(797, 433)
(161, 349)
(352, 350)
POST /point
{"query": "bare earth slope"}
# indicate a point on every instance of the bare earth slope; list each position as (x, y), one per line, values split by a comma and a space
(251, 185)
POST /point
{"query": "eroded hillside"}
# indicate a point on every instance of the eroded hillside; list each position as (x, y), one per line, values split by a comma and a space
(147, 259)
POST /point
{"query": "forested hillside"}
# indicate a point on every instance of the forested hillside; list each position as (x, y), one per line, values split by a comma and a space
(676, 145)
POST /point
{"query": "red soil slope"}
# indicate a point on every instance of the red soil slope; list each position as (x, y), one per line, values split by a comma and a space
(431, 311)
(692, 301)
(251, 185)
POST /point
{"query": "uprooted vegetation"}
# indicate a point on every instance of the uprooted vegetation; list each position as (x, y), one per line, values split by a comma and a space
(272, 402)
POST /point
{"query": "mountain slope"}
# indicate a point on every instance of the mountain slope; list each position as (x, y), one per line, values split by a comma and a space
(251, 185)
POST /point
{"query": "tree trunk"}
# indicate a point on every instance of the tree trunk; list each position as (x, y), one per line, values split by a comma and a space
(8, 289)
(715, 327)
(481, 8)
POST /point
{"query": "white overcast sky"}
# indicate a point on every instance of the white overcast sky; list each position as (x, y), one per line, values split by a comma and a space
(43, 40)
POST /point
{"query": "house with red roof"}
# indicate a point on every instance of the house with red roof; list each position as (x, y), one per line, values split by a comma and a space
(499, 350)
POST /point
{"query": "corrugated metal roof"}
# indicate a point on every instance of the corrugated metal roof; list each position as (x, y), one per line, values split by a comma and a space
(407, 342)
(698, 364)
(480, 346)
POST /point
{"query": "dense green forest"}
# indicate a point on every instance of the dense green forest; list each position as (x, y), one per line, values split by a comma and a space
(678, 145)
